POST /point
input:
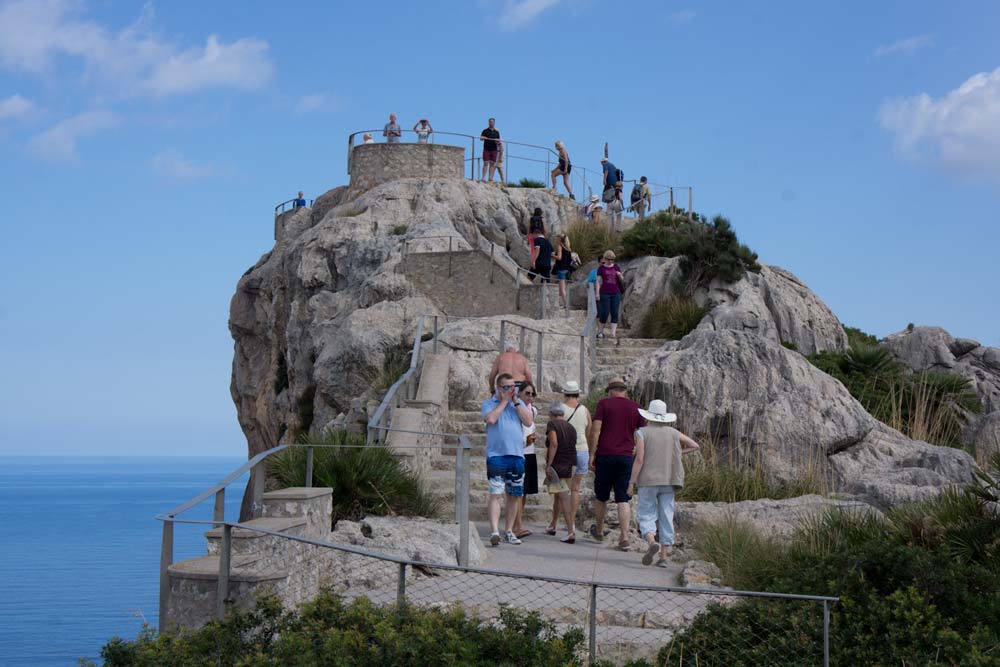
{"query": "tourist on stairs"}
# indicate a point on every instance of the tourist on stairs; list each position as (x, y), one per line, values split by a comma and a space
(513, 363)
(579, 418)
(658, 472)
(560, 459)
(563, 266)
(527, 393)
(609, 287)
(563, 169)
(505, 416)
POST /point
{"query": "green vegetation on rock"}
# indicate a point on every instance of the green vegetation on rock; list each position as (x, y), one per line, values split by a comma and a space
(672, 318)
(527, 183)
(918, 587)
(365, 480)
(931, 406)
(329, 631)
(708, 250)
(590, 240)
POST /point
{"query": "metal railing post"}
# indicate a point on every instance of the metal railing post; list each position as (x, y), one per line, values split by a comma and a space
(434, 348)
(592, 620)
(671, 209)
(583, 362)
(541, 300)
(401, 586)
(503, 334)
(225, 554)
(449, 255)
(166, 560)
(219, 511)
(492, 261)
(538, 364)
(465, 459)
(690, 203)
(520, 345)
(257, 509)
(472, 162)
(309, 467)
(826, 633)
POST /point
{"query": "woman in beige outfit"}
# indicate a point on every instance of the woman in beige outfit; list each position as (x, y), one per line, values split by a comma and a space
(658, 472)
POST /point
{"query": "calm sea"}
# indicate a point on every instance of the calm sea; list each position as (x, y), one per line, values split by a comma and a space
(79, 549)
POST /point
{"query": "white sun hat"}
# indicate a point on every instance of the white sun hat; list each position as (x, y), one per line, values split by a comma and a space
(658, 412)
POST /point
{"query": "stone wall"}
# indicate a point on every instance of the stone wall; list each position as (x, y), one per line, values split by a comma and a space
(373, 164)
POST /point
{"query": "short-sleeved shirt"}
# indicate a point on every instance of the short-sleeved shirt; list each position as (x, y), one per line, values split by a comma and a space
(619, 419)
(491, 134)
(609, 279)
(299, 203)
(565, 456)
(422, 134)
(592, 276)
(536, 225)
(529, 431)
(506, 437)
(611, 172)
(545, 250)
(392, 133)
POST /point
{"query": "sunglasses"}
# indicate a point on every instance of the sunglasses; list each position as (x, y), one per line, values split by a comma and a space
(507, 387)
(529, 393)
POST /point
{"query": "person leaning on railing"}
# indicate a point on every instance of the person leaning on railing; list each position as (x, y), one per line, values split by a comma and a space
(298, 202)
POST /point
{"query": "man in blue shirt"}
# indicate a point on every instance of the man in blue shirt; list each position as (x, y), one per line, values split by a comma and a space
(505, 416)
(299, 201)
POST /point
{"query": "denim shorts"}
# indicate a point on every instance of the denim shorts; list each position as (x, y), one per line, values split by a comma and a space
(582, 462)
(561, 274)
(505, 474)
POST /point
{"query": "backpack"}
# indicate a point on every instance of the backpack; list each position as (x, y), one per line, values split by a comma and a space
(621, 175)
(574, 262)
(609, 195)
(636, 193)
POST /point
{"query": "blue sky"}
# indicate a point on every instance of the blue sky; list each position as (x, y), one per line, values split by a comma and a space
(144, 147)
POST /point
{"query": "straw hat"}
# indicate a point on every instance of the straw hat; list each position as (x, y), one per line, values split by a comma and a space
(571, 387)
(594, 198)
(616, 383)
(658, 412)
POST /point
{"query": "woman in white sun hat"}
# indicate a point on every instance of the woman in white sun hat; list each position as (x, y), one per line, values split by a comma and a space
(658, 472)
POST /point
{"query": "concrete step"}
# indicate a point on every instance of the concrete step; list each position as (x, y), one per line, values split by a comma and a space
(247, 542)
(242, 568)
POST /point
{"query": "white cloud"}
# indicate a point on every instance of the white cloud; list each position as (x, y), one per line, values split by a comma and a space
(518, 13)
(242, 64)
(16, 107)
(59, 141)
(317, 103)
(683, 15)
(906, 47)
(960, 130)
(171, 164)
(36, 34)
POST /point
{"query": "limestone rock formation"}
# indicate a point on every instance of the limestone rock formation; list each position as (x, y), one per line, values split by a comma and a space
(773, 304)
(769, 406)
(412, 538)
(315, 318)
(933, 348)
(777, 519)
(984, 435)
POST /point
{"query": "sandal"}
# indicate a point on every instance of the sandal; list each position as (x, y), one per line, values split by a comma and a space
(550, 530)
(624, 546)
(593, 533)
(569, 539)
(523, 533)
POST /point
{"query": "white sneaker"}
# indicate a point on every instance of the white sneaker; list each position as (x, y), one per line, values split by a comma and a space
(494, 539)
(510, 538)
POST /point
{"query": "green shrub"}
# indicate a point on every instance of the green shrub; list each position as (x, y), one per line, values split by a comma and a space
(708, 251)
(590, 239)
(856, 336)
(395, 362)
(527, 183)
(672, 318)
(399, 230)
(365, 480)
(916, 587)
(331, 631)
(930, 406)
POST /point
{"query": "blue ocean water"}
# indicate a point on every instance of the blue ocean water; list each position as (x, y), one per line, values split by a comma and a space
(80, 550)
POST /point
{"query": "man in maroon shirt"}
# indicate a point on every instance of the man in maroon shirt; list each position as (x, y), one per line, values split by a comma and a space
(612, 444)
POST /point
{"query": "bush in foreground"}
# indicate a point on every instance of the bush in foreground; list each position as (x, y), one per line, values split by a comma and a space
(329, 631)
(918, 587)
(365, 480)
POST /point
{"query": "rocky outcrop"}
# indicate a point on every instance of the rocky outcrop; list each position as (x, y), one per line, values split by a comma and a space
(765, 405)
(984, 435)
(776, 519)
(773, 304)
(315, 318)
(412, 538)
(934, 349)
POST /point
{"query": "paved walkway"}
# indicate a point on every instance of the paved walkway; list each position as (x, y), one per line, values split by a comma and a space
(587, 560)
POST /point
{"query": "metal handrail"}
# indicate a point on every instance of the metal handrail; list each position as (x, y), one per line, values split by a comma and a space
(405, 379)
(280, 208)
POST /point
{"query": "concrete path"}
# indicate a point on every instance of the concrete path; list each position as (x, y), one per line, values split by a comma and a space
(587, 560)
